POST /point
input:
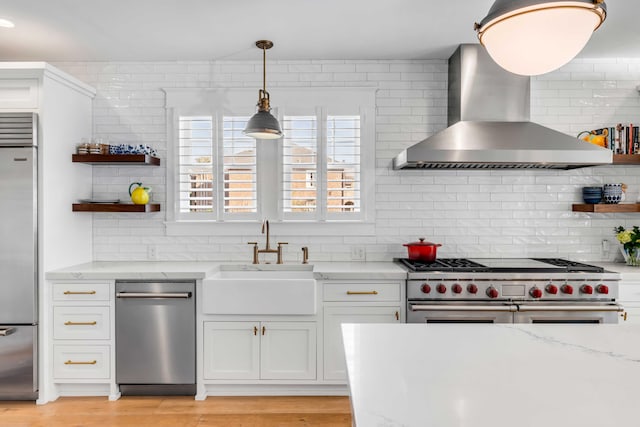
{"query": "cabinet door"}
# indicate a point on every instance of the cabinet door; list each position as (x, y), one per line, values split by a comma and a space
(334, 360)
(633, 314)
(629, 298)
(288, 351)
(18, 93)
(231, 350)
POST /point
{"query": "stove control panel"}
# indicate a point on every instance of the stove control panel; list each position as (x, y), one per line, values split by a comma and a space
(484, 289)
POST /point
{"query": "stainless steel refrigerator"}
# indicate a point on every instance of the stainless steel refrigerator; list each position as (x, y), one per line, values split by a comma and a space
(18, 256)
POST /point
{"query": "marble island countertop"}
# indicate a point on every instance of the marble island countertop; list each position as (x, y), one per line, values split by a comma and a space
(418, 375)
(182, 270)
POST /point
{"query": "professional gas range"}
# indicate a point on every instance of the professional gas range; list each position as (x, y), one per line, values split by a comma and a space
(510, 290)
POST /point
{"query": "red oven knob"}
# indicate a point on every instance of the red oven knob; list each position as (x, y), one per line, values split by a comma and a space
(566, 289)
(472, 289)
(425, 288)
(441, 288)
(551, 289)
(586, 289)
(535, 292)
(602, 289)
(456, 289)
(492, 292)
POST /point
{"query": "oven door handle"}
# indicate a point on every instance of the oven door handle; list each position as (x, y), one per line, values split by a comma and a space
(501, 308)
(574, 308)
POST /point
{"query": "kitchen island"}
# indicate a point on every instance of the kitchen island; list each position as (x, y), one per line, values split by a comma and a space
(419, 375)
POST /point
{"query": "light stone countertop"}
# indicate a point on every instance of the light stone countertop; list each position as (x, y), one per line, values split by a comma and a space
(182, 270)
(419, 375)
(627, 273)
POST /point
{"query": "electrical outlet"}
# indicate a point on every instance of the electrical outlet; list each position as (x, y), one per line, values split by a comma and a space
(358, 253)
(152, 252)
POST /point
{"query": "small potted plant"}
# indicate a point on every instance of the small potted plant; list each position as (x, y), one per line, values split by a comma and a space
(630, 240)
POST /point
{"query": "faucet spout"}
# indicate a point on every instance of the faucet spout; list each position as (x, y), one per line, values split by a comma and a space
(265, 227)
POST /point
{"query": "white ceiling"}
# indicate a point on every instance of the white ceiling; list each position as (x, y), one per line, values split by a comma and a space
(151, 30)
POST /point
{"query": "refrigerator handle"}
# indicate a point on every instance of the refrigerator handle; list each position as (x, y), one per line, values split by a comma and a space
(6, 331)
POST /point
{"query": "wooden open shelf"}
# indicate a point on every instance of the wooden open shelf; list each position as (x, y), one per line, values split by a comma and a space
(607, 208)
(626, 159)
(115, 207)
(116, 159)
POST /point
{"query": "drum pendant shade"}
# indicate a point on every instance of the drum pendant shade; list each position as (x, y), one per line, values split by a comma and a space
(532, 37)
(263, 125)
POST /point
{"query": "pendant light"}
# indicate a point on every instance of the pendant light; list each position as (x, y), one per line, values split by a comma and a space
(263, 125)
(531, 37)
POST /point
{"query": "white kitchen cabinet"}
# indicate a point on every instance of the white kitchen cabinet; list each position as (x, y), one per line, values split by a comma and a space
(629, 298)
(63, 106)
(355, 302)
(81, 362)
(82, 347)
(259, 350)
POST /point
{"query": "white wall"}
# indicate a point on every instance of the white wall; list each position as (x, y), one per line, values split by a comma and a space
(472, 213)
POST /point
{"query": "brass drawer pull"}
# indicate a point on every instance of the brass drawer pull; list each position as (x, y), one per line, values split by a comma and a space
(71, 362)
(397, 315)
(68, 323)
(255, 330)
(263, 330)
(79, 292)
(362, 292)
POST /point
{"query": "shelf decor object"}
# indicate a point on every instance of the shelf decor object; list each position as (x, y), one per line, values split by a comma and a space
(263, 125)
(532, 37)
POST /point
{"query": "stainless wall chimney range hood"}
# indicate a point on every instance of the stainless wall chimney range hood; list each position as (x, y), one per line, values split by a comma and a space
(489, 127)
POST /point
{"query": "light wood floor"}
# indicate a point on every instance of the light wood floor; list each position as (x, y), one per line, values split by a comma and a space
(330, 411)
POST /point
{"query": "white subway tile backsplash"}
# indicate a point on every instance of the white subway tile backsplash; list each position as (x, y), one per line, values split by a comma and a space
(474, 213)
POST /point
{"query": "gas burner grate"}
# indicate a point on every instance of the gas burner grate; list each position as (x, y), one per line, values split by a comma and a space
(444, 264)
(571, 265)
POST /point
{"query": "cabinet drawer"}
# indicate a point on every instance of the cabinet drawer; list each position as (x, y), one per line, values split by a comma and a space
(629, 293)
(81, 291)
(18, 93)
(81, 323)
(81, 362)
(362, 292)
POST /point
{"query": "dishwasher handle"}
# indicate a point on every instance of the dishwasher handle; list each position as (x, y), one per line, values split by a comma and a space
(155, 295)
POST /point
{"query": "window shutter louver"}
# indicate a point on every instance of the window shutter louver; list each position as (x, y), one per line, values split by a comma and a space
(239, 167)
(300, 164)
(196, 183)
(343, 164)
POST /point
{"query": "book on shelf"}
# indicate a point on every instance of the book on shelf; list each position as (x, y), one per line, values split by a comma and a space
(623, 139)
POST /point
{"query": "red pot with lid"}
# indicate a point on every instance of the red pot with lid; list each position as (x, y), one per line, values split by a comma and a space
(422, 251)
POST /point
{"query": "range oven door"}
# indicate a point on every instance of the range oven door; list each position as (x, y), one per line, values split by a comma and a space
(459, 312)
(582, 312)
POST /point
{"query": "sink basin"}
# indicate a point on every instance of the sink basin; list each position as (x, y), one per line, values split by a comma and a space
(263, 290)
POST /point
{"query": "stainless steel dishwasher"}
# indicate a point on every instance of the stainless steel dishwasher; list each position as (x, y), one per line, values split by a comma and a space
(155, 337)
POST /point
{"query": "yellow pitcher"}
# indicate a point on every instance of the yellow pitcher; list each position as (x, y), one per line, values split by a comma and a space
(139, 195)
(597, 137)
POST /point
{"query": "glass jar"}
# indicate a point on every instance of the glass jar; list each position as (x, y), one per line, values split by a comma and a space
(83, 147)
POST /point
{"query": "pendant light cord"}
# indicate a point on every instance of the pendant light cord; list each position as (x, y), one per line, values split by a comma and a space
(264, 69)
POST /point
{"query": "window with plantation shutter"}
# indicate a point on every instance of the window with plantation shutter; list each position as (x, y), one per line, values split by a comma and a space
(321, 164)
(299, 162)
(195, 164)
(321, 172)
(239, 167)
(343, 164)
